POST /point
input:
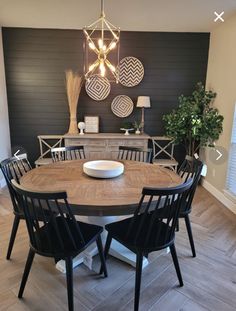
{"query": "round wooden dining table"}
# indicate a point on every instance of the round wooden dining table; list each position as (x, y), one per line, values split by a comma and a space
(100, 197)
(100, 201)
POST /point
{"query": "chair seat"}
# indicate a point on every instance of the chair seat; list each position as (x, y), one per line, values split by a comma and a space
(165, 162)
(147, 241)
(43, 161)
(53, 247)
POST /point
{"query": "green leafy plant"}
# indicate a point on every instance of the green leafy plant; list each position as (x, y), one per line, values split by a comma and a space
(137, 125)
(127, 125)
(195, 123)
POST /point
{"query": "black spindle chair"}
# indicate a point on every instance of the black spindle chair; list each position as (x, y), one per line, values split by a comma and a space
(190, 168)
(67, 153)
(57, 236)
(147, 231)
(14, 168)
(135, 154)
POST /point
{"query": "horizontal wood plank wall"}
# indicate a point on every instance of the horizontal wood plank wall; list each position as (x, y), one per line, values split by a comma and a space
(36, 60)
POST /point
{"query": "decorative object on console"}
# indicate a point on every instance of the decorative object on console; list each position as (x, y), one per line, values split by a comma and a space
(103, 168)
(122, 106)
(130, 71)
(127, 126)
(81, 127)
(91, 124)
(74, 84)
(143, 102)
(126, 130)
(97, 87)
(137, 127)
(102, 39)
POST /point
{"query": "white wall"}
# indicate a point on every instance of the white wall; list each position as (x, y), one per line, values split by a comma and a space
(4, 120)
(134, 15)
(221, 77)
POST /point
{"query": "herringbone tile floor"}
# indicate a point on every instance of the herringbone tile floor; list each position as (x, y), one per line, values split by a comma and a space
(210, 278)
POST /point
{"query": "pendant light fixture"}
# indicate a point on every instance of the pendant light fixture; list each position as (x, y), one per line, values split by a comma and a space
(101, 48)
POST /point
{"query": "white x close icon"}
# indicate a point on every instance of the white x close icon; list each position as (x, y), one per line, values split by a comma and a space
(219, 16)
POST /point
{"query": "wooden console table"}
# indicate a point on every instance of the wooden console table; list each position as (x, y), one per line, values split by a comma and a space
(105, 145)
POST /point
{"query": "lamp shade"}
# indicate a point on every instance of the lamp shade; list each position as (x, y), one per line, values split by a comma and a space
(143, 102)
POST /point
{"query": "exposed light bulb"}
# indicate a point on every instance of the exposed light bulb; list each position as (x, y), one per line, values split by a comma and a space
(112, 68)
(100, 43)
(103, 72)
(113, 45)
(104, 48)
(91, 67)
(92, 46)
(102, 68)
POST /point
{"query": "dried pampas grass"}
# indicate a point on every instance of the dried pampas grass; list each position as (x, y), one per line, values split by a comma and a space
(74, 84)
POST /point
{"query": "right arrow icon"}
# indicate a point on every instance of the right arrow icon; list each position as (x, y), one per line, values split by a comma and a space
(219, 155)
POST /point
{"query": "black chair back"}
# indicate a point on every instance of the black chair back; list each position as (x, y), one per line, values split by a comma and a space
(14, 168)
(67, 153)
(135, 154)
(148, 227)
(56, 234)
(190, 169)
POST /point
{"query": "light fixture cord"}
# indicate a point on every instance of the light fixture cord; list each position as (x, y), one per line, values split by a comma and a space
(102, 16)
(102, 9)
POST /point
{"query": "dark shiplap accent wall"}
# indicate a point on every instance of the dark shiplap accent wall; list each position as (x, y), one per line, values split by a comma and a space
(36, 59)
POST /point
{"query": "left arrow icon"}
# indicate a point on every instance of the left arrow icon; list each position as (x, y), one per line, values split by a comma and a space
(16, 153)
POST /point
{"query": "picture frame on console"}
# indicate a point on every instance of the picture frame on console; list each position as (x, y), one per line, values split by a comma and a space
(91, 124)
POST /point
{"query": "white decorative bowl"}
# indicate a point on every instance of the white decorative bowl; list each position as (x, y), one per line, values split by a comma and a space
(103, 169)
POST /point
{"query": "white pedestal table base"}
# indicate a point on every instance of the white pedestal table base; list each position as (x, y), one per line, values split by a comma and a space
(116, 250)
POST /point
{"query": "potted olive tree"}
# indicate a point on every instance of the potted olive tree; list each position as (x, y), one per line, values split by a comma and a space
(195, 123)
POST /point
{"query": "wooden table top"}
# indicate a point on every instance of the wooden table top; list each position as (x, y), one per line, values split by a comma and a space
(99, 197)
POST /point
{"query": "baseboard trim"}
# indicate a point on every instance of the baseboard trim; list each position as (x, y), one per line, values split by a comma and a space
(219, 196)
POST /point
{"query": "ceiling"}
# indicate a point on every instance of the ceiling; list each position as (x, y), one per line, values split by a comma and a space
(140, 15)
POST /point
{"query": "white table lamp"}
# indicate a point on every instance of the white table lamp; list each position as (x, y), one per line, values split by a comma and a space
(143, 102)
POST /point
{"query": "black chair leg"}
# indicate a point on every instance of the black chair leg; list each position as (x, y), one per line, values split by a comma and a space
(106, 250)
(13, 236)
(26, 272)
(176, 263)
(190, 234)
(177, 225)
(101, 255)
(138, 275)
(69, 279)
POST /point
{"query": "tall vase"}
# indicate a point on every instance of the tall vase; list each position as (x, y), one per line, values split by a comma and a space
(73, 128)
(73, 87)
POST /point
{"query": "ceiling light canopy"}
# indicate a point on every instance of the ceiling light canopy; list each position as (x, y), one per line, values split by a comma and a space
(101, 42)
